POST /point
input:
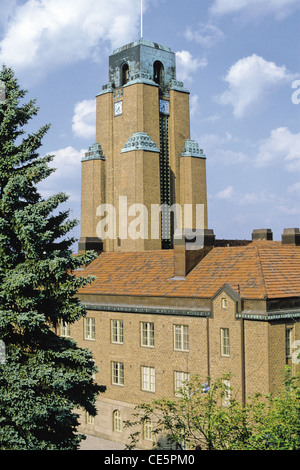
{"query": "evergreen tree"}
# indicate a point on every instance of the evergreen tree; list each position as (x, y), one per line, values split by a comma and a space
(45, 379)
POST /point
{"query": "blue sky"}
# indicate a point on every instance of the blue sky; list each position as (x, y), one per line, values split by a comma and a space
(239, 59)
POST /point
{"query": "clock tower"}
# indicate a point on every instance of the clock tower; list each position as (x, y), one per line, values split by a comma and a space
(144, 160)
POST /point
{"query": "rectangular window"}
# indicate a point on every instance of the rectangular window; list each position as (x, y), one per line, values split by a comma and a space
(227, 393)
(288, 341)
(89, 328)
(181, 337)
(179, 382)
(148, 379)
(89, 419)
(148, 430)
(147, 334)
(65, 330)
(117, 331)
(225, 351)
(117, 376)
(224, 303)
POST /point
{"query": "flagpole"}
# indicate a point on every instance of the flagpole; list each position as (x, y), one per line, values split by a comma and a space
(141, 19)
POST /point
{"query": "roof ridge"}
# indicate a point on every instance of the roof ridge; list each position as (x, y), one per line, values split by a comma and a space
(261, 270)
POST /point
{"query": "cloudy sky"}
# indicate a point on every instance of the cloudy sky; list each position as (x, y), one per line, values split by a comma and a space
(239, 59)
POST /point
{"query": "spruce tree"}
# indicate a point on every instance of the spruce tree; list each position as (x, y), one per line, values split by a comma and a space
(44, 378)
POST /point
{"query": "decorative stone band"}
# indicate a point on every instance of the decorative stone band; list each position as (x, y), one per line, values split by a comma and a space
(140, 141)
(94, 153)
(184, 312)
(178, 86)
(147, 310)
(146, 78)
(191, 149)
(107, 88)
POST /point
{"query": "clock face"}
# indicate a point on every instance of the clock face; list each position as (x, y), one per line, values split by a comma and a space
(118, 108)
(164, 106)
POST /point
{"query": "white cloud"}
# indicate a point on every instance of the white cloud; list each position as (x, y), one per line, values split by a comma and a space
(186, 65)
(294, 188)
(248, 80)
(206, 35)
(84, 119)
(194, 105)
(281, 146)
(214, 147)
(226, 193)
(254, 8)
(67, 162)
(43, 34)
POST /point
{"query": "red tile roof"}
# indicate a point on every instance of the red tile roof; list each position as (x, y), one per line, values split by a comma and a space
(259, 270)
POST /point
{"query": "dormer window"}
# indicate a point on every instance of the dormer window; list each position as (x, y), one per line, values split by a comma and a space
(158, 72)
(125, 74)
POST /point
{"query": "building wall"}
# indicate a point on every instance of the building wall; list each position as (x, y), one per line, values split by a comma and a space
(263, 357)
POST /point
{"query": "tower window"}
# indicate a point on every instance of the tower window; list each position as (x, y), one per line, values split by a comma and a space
(158, 72)
(125, 74)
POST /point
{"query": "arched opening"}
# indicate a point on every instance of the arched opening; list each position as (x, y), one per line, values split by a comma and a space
(124, 74)
(117, 421)
(158, 72)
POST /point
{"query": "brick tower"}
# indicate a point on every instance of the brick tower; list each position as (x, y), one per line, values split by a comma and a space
(143, 160)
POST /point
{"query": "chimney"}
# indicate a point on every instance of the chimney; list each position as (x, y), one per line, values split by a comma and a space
(189, 248)
(291, 236)
(262, 234)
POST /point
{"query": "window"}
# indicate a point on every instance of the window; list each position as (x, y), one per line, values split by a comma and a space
(147, 334)
(148, 379)
(89, 328)
(65, 330)
(225, 342)
(117, 331)
(125, 74)
(158, 72)
(117, 373)
(117, 421)
(179, 382)
(227, 393)
(181, 337)
(288, 341)
(89, 419)
(148, 433)
(224, 303)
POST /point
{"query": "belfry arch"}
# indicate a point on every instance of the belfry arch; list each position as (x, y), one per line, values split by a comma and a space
(158, 72)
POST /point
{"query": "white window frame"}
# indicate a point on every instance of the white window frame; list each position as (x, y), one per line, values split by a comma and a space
(224, 302)
(148, 430)
(89, 419)
(65, 330)
(147, 334)
(117, 421)
(148, 378)
(225, 342)
(89, 328)
(117, 331)
(117, 373)
(181, 338)
(227, 393)
(179, 379)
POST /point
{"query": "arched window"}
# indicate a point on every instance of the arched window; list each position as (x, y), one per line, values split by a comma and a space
(158, 72)
(124, 74)
(117, 421)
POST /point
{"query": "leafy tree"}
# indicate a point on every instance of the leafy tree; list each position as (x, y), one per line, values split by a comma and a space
(211, 419)
(44, 378)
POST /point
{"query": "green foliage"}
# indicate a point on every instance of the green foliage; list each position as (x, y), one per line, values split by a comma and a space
(211, 421)
(44, 377)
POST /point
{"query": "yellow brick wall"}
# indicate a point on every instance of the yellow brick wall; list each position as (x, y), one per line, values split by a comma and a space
(92, 194)
(264, 357)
